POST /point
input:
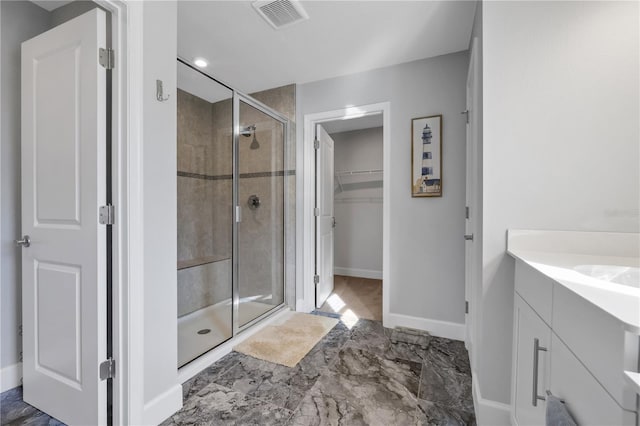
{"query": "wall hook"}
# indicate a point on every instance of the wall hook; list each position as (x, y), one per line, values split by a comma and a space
(160, 92)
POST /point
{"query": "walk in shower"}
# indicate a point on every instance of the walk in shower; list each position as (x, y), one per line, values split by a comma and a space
(231, 211)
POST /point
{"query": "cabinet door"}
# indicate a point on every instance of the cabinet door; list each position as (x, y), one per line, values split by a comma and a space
(530, 333)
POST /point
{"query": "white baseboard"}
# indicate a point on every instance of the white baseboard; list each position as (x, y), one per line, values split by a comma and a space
(489, 412)
(446, 329)
(163, 406)
(10, 376)
(360, 273)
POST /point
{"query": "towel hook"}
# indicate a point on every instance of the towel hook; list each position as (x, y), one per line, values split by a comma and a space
(160, 92)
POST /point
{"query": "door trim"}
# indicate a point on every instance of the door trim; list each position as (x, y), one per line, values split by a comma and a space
(305, 264)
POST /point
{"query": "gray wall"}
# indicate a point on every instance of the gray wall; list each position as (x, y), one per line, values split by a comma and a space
(21, 20)
(427, 256)
(358, 209)
(561, 132)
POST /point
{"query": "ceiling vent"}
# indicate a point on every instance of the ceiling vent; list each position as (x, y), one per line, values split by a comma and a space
(281, 13)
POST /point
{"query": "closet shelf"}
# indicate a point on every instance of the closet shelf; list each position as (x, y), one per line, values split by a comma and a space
(364, 178)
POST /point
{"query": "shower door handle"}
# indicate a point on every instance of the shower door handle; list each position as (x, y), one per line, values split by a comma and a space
(238, 214)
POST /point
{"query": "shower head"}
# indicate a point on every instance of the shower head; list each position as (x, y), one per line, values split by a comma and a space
(248, 131)
(254, 142)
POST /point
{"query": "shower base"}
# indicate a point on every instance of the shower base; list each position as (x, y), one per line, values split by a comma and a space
(202, 330)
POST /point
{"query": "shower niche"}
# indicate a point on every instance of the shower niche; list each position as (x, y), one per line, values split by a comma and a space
(231, 209)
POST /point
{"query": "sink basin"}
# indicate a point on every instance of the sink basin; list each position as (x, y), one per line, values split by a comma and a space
(625, 275)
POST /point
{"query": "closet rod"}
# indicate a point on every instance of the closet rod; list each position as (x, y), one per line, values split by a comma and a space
(359, 172)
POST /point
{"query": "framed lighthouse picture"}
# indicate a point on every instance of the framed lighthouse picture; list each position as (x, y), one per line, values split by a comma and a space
(426, 156)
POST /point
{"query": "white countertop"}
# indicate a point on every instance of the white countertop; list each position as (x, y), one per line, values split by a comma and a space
(556, 254)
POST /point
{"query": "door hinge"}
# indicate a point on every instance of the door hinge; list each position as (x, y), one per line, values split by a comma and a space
(466, 307)
(108, 369)
(316, 212)
(316, 144)
(316, 279)
(466, 212)
(107, 215)
(106, 58)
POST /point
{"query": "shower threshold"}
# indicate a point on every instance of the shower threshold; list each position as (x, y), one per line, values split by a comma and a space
(204, 329)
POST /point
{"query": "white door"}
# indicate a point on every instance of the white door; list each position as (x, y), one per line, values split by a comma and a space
(63, 185)
(325, 220)
(470, 204)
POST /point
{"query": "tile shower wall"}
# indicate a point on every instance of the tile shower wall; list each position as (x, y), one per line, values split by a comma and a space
(205, 208)
(204, 254)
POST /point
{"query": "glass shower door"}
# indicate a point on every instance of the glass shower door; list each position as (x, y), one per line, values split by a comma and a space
(260, 196)
(205, 213)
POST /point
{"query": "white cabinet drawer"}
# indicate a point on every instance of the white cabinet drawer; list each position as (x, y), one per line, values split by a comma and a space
(535, 289)
(529, 364)
(598, 340)
(586, 399)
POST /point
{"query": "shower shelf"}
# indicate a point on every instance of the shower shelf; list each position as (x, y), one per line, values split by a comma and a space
(191, 263)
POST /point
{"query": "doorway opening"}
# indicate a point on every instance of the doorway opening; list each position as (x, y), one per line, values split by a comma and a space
(346, 219)
(355, 192)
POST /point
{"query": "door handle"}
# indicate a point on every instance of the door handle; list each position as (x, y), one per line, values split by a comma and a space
(536, 350)
(468, 237)
(333, 222)
(24, 242)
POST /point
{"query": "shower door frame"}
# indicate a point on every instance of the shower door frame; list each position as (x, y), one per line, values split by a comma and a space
(237, 214)
(236, 208)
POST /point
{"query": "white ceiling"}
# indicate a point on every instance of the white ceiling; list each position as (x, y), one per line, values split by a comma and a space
(366, 122)
(340, 37)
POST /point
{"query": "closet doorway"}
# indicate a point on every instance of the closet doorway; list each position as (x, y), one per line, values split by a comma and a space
(349, 217)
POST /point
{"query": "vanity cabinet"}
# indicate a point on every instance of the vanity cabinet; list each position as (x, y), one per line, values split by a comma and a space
(532, 337)
(553, 351)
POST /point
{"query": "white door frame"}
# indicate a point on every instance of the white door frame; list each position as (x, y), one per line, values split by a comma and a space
(305, 295)
(128, 301)
(473, 269)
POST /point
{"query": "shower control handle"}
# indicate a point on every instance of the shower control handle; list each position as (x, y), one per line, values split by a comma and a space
(253, 202)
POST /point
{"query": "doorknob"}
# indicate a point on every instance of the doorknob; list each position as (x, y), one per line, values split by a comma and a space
(24, 242)
(468, 237)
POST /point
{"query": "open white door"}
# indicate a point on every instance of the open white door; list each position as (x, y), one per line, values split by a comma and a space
(325, 221)
(471, 188)
(63, 185)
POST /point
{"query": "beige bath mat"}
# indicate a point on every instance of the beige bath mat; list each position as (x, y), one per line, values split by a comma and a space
(289, 342)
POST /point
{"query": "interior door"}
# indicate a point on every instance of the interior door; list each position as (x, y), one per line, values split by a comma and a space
(325, 220)
(470, 209)
(63, 185)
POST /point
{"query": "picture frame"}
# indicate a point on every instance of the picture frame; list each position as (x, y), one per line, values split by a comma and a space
(426, 156)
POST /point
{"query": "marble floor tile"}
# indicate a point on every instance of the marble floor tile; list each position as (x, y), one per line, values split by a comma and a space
(208, 376)
(362, 388)
(446, 377)
(371, 335)
(264, 380)
(434, 414)
(353, 376)
(218, 405)
(14, 411)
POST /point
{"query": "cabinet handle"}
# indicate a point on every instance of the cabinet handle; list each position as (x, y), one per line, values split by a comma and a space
(536, 349)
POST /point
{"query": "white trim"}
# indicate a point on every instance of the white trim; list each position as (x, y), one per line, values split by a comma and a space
(10, 377)
(124, 17)
(489, 412)
(194, 367)
(305, 299)
(359, 273)
(446, 329)
(163, 406)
